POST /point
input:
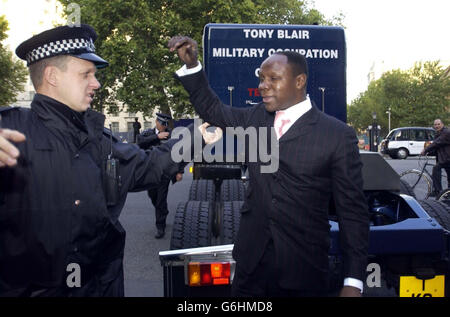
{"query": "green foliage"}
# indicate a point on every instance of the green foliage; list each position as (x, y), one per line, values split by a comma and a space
(13, 73)
(133, 38)
(416, 97)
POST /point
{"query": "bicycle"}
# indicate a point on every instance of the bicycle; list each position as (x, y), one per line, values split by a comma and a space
(444, 196)
(421, 181)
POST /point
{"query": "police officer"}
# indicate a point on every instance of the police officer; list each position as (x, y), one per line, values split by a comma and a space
(64, 179)
(158, 195)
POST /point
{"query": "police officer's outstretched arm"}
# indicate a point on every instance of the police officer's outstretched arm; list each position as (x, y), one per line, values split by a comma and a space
(8, 152)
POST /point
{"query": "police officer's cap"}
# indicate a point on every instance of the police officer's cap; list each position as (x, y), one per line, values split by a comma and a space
(163, 118)
(77, 41)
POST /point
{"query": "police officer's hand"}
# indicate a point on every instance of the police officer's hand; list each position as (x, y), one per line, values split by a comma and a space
(8, 152)
(179, 177)
(163, 135)
(186, 48)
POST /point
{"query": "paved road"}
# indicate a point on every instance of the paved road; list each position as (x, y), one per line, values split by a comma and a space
(143, 271)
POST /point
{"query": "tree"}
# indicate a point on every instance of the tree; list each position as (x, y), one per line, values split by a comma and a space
(13, 73)
(133, 37)
(416, 97)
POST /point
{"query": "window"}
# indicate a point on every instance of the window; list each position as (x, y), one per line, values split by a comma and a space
(419, 135)
(130, 126)
(430, 135)
(114, 127)
(401, 135)
(389, 136)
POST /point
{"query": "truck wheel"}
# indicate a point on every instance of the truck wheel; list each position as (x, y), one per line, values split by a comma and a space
(444, 196)
(437, 210)
(202, 190)
(406, 189)
(230, 221)
(192, 225)
(402, 153)
(441, 213)
(232, 190)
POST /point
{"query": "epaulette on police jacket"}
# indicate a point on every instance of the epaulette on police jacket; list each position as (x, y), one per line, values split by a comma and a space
(4, 109)
(147, 132)
(107, 132)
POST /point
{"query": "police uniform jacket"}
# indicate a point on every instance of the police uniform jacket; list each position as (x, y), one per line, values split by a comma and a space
(149, 138)
(53, 210)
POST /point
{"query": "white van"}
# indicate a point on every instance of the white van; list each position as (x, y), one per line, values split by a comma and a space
(403, 142)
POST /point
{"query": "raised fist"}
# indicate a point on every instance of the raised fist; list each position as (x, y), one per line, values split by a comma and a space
(186, 48)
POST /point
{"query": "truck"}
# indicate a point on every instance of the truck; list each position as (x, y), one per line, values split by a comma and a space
(409, 239)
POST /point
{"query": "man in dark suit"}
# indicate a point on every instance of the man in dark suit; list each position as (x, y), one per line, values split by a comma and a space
(146, 140)
(283, 241)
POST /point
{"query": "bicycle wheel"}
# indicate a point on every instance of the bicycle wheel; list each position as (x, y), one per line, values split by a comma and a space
(420, 183)
(444, 196)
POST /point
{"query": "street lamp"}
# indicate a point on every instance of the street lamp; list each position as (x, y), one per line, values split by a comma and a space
(230, 89)
(323, 98)
(389, 119)
(374, 132)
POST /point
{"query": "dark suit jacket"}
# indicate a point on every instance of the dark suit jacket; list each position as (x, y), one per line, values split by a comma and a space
(318, 161)
(441, 146)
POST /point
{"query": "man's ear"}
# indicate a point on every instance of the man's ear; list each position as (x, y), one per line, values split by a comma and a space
(301, 81)
(51, 76)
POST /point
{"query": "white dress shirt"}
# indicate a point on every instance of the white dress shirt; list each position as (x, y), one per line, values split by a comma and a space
(293, 113)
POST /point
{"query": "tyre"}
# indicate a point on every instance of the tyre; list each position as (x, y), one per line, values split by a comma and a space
(202, 190)
(192, 225)
(441, 213)
(444, 196)
(437, 210)
(419, 182)
(406, 189)
(232, 190)
(231, 215)
(402, 153)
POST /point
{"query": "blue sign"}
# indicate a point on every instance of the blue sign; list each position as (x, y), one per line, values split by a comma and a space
(233, 54)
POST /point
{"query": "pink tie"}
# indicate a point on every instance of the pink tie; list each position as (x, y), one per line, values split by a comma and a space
(279, 118)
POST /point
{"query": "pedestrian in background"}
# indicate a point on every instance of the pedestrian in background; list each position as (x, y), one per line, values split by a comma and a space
(441, 148)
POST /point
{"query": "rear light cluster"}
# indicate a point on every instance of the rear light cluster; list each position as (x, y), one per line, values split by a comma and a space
(208, 273)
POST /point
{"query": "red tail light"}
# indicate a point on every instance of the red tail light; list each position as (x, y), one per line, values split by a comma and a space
(210, 273)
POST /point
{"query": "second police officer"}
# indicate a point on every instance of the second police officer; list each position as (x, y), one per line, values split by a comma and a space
(158, 195)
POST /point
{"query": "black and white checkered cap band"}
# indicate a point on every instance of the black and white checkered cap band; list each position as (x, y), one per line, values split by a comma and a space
(60, 47)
